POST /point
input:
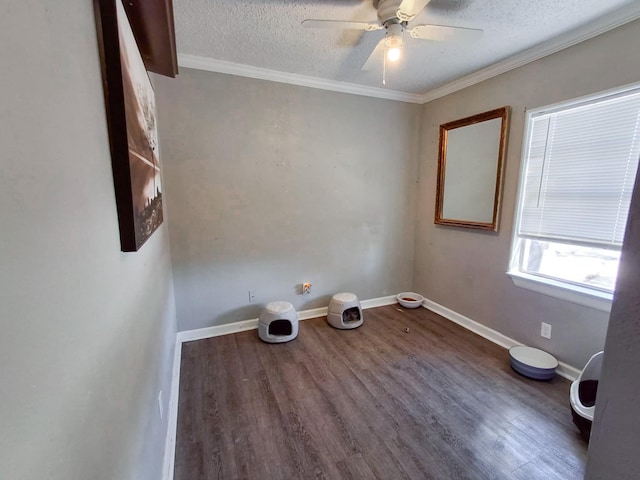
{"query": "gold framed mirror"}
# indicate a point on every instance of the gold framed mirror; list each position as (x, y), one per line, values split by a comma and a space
(470, 165)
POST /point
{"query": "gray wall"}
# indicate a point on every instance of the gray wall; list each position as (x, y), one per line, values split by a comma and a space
(464, 270)
(87, 332)
(271, 185)
(614, 449)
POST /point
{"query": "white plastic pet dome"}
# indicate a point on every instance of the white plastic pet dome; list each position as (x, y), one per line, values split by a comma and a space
(344, 311)
(278, 323)
(583, 394)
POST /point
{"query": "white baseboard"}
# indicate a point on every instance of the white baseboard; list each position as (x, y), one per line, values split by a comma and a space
(172, 415)
(564, 370)
(252, 324)
(313, 313)
(477, 328)
(378, 302)
(567, 371)
(217, 330)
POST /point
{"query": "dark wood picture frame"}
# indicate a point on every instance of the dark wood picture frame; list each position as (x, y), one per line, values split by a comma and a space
(131, 118)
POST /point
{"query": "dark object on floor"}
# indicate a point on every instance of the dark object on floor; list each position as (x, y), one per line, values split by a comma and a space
(583, 394)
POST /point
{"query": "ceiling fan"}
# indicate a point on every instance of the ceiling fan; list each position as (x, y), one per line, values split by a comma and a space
(394, 16)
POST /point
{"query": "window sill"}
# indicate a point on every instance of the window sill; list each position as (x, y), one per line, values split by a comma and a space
(564, 291)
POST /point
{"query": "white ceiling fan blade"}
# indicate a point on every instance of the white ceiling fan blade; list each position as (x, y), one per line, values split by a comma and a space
(408, 9)
(376, 57)
(443, 33)
(369, 27)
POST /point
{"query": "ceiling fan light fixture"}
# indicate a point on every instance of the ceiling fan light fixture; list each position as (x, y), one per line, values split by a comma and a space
(393, 54)
(393, 41)
(393, 47)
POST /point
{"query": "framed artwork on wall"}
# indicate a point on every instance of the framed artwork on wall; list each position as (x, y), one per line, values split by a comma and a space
(131, 118)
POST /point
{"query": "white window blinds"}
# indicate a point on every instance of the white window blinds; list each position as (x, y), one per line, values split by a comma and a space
(581, 168)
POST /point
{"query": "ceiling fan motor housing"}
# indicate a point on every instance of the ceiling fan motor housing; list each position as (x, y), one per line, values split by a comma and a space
(394, 29)
(388, 10)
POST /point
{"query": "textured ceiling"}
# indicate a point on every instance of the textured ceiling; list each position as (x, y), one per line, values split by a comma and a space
(267, 34)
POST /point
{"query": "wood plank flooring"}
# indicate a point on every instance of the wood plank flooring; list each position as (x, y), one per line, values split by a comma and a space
(376, 402)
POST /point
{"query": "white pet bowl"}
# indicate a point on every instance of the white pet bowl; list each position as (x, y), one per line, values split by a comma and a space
(409, 299)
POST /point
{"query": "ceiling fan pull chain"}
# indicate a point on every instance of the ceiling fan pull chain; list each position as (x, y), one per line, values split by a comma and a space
(384, 67)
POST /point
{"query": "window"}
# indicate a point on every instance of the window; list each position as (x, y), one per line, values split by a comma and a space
(579, 166)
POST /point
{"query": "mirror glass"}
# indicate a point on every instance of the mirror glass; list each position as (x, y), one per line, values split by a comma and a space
(470, 165)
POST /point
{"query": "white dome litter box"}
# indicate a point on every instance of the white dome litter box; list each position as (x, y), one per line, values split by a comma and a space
(583, 395)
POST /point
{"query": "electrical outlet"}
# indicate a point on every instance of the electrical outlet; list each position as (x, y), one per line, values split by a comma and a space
(545, 330)
(252, 296)
(306, 288)
(160, 404)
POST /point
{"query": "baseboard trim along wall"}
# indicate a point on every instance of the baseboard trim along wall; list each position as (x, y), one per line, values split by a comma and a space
(252, 324)
(564, 370)
(172, 417)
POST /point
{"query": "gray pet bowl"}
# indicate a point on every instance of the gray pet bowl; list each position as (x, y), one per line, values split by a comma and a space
(533, 362)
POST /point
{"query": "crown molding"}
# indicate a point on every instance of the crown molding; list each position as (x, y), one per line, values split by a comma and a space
(603, 24)
(608, 22)
(221, 66)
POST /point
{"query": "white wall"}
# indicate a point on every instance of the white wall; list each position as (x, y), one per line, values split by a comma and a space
(271, 185)
(87, 331)
(464, 270)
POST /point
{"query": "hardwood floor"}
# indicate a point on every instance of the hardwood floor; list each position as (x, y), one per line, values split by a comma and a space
(376, 402)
